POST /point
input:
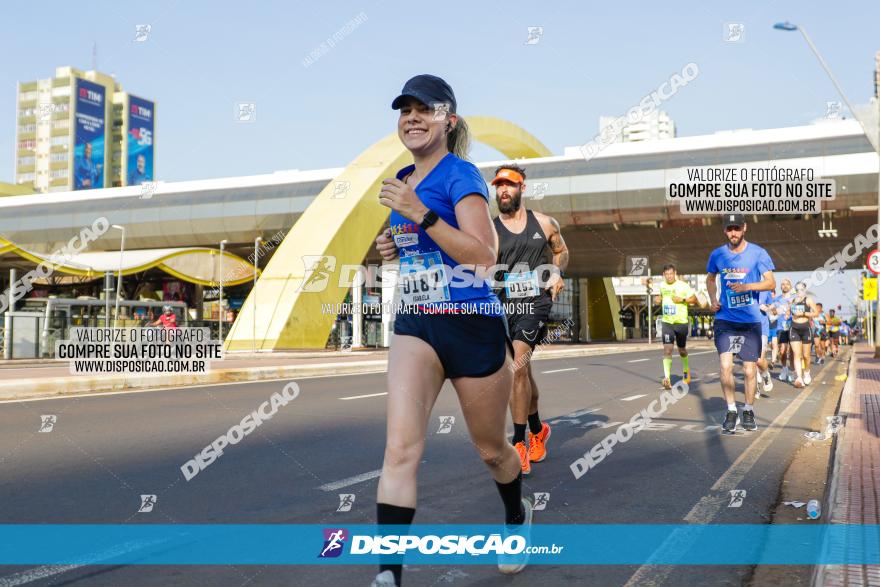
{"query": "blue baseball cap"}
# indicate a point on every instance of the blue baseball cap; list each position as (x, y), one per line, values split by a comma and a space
(427, 89)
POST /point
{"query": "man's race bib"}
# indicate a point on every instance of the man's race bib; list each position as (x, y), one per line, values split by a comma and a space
(669, 309)
(423, 279)
(738, 299)
(521, 285)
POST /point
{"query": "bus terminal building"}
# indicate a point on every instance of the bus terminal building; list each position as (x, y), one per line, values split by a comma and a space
(277, 229)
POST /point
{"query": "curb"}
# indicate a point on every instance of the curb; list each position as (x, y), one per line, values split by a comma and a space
(821, 572)
(25, 389)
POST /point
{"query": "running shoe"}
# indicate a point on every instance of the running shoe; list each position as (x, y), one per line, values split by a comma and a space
(730, 421)
(666, 383)
(808, 379)
(687, 377)
(784, 374)
(799, 383)
(384, 579)
(791, 377)
(510, 564)
(748, 420)
(768, 382)
(523, 453)
(538, 444)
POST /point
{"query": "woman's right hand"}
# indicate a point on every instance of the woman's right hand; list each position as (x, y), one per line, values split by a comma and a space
(386, 246)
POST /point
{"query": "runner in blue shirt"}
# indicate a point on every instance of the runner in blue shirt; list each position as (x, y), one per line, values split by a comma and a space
(820, 334)
(780, 307)
(451, 325)
(765, 380)
(744, 269)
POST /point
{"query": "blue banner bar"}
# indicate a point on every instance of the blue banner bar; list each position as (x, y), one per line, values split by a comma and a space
(280, 544)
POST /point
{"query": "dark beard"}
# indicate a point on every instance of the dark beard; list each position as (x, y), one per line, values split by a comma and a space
(512, 206)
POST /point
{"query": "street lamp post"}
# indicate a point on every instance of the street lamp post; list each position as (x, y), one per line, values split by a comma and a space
(220, 311)
(119, 276)
(873, 134)
(257, 242)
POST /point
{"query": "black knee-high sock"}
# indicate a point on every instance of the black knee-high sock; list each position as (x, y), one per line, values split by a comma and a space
(519, 433)
(511, 495)
(393, 515)
(535, 423)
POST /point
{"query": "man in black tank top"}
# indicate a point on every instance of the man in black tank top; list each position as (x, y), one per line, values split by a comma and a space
(533, 256)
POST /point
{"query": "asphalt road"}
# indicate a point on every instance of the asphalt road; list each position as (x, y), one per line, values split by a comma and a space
(105, 451)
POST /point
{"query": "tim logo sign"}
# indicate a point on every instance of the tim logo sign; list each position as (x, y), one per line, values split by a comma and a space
(91, 96)
(334, 542)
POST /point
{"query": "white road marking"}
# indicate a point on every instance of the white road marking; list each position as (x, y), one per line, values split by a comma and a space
(367, 395)
(632, 397)
(350, 481)
(701, 353)
(45, 571)
(708, 507)
(711, 374)
(638, 360)
(559, 370)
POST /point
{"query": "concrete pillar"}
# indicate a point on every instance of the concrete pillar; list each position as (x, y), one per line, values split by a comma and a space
(199, 300)
(583, 309)
(389, 272)
(357, 315)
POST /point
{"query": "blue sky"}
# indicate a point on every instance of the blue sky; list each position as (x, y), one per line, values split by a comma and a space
(201, 58)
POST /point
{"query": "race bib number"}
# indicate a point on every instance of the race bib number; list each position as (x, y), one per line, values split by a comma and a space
(406, 239)
(423, 279)
(739, 299)
(521, 285)
(669, 309)
(798, 309)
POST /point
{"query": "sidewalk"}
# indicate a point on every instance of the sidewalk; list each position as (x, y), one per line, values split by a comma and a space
(46, 378)
(854, 497)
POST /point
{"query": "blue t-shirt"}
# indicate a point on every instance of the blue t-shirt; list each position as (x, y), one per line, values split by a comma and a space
(764, 297)
(783, 305)
(451, 180)
(819, 323)
(745, 267)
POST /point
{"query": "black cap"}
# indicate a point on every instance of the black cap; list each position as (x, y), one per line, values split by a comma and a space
(427, 89)
(733, 220)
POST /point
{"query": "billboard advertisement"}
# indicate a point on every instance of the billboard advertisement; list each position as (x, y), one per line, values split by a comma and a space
(89, 149)
(141, 119)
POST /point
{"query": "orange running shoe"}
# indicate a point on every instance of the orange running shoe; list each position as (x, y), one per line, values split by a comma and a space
(538, 447)
(523, 457)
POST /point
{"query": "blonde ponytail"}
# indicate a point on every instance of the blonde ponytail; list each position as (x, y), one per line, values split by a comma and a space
(458, 141)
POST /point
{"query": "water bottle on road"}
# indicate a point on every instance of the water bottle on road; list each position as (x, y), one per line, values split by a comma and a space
(814, 509)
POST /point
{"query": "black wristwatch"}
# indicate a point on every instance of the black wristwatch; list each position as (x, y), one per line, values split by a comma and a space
(429, 220)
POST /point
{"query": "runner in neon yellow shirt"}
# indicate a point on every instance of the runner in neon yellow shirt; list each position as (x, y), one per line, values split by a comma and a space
(675, 295)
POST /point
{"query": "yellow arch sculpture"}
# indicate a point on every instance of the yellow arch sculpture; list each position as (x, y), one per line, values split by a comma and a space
(342, 222)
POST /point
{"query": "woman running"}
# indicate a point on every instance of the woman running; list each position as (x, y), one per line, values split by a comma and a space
(802, 309)
(440, 217)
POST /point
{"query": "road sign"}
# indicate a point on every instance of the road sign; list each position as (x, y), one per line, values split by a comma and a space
(636, 266)
(869, 289)
(874, 261)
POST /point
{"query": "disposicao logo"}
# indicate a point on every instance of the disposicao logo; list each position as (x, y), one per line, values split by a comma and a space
(334, 542)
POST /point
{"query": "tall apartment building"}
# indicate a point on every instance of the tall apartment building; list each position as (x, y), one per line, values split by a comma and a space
(877, 75)
(80, 130)
(656, 125)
